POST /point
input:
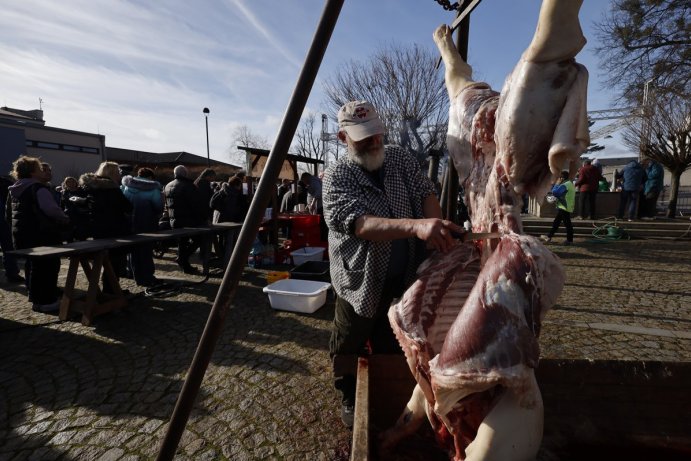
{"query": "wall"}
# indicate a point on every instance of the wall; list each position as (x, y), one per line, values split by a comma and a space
(70, 153)
(607, 205)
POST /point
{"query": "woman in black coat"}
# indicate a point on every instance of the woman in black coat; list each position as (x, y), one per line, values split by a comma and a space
(229, 205)
(109, 212)
(36, 220)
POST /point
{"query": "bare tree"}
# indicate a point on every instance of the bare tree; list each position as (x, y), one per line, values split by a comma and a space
(647, 40)
(243, 136)
(406, 89)
(308, 139)
(664, 135)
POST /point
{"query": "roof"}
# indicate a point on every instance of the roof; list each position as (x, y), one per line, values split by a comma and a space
(291, 157)
(610, 158)
(136, 156)
(8, 113)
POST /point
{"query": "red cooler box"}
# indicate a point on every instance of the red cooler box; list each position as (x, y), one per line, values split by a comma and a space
(304, 231)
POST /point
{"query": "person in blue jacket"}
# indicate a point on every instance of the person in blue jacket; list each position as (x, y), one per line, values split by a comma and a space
(654, 182)
(146, 196)
(564, 195)
(633, 176)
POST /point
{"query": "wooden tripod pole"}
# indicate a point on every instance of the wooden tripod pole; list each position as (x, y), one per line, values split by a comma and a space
(248, 233)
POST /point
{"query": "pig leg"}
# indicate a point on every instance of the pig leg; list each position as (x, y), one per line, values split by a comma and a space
(533, 101)
(558, 35)
(512, 431)
(413, 415)
(458, 74)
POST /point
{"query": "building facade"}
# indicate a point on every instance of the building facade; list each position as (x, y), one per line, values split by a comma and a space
(70, 153)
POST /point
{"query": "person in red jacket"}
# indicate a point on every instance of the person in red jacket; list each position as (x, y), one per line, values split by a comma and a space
(588, 180)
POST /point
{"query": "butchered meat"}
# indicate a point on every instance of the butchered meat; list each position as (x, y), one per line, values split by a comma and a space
(469, 325)
(422, 317)
(493, 340)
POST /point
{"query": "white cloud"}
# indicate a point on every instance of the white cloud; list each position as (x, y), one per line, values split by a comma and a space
(266, 33)
(141, 72)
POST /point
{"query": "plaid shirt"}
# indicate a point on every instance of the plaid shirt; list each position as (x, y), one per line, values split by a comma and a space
(359, 267)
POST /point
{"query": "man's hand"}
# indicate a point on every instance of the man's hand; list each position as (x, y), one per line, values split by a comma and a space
(437, 233)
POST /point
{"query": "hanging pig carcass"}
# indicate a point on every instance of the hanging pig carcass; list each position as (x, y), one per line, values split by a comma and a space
(469, 325)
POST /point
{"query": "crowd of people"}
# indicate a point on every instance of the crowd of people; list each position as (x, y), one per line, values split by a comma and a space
(107, 203)
(382, 212)
(639, 185)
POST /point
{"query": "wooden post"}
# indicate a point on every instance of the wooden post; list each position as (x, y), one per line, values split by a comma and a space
(226, 293)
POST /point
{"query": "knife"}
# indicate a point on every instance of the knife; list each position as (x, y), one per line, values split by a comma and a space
(468, 236)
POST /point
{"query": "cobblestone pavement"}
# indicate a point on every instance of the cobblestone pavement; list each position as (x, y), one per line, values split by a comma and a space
(107, 391)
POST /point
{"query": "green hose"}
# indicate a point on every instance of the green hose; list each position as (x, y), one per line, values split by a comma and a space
(610, 231)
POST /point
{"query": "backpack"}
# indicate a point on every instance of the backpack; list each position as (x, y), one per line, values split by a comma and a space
(559, 192)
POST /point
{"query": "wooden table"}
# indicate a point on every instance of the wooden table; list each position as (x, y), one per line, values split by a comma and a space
(92, 256)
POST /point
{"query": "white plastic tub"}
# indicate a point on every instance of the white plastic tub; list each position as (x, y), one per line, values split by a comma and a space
(297, 295)
(307, 254)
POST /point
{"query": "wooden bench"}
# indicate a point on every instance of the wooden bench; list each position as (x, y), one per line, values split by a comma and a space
(92, 256)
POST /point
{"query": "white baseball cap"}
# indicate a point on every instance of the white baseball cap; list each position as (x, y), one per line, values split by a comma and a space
(360, 120)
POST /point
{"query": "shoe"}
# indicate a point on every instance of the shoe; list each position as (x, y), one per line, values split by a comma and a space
(52, 307)
(150, 283)
(647, 218)
(191, 270)
(545, 238)
(348, 414)
(186, 267)
(629, 220)
(14, 278)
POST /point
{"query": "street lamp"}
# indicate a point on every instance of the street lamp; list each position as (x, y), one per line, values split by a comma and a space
(206, 119)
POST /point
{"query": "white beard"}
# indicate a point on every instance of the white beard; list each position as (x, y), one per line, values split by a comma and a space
(370, 159)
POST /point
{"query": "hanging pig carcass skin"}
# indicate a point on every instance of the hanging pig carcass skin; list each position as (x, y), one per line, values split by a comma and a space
(469, 325)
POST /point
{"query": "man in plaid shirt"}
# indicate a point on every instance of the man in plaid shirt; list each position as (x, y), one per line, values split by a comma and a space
(382, 213)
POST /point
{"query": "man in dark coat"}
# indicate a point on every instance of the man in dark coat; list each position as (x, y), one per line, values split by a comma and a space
(230, 206)
(186, 208)
(203, 183)
(587, 185)
(633, 177)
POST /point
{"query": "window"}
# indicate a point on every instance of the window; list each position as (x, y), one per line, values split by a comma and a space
(65, 147)
(48, 145)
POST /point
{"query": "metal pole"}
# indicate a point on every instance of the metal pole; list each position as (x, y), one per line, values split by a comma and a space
(248, 233)
(206, 119)
(325, 139)
(451, 210)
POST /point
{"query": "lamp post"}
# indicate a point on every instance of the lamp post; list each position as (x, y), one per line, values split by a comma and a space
(206, 119)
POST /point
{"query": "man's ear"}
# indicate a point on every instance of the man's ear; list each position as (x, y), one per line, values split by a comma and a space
(342, 136)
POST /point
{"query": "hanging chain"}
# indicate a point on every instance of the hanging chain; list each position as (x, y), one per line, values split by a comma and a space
(447, 5)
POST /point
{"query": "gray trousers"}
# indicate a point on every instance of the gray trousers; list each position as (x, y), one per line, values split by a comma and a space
(353, 335)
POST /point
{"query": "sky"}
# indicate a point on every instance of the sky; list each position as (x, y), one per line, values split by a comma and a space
(141, 72)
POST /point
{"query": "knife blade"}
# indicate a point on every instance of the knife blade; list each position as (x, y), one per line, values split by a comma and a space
(467, 236)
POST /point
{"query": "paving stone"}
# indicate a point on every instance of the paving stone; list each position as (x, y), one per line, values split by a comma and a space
(114, 454)
(78, 392)
(130, 458)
